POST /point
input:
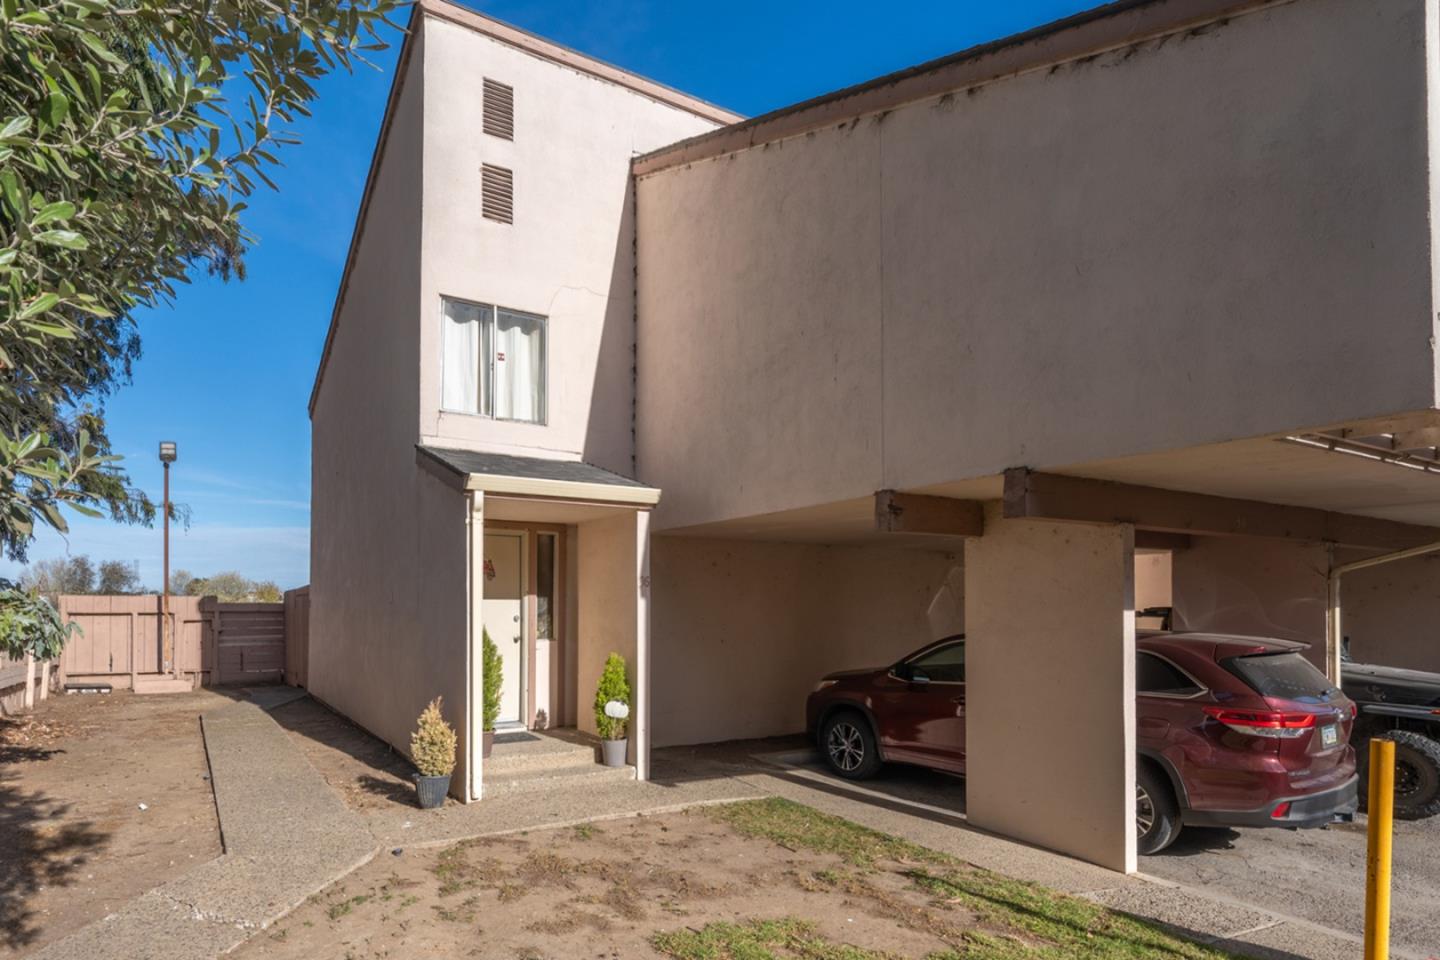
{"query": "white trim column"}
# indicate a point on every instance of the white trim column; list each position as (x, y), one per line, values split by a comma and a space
(475, 661)
(642, 645)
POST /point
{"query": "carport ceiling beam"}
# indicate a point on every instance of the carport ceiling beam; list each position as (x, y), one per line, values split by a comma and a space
(1053, 496)
(918, 513)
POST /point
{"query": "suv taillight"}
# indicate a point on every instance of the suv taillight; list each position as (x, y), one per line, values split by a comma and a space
(1275, 724)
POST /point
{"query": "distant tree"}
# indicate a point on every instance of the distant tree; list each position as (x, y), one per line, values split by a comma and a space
(266, 591)
(180, 582)
(118, 577)
(231, 586)
(62, 575)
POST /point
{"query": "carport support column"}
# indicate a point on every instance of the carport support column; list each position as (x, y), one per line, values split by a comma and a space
(1050, 665)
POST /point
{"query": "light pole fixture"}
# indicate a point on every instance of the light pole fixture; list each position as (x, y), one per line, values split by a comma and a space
(167, 635)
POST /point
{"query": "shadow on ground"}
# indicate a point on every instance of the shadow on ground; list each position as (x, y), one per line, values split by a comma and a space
(366, 770)
(40, 849)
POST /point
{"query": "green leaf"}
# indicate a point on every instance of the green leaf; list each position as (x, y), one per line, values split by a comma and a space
(54, 109)
(14, 127)
(41, 304)
(59, 210)
(68, 239)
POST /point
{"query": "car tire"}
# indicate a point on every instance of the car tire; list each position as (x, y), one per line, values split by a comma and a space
(848, 745)
(1157, 815)
(1417, 774)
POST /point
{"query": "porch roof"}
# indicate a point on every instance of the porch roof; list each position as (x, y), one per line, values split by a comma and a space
(501, 473)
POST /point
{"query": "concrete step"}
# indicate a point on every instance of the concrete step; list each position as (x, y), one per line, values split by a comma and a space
(533, 752)
(574, 777)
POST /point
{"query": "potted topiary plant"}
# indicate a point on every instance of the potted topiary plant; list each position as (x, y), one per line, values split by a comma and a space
(612, 711)
(490, 707)
(432, 749)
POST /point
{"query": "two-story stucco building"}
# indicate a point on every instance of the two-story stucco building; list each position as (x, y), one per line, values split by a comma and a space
(611, 368)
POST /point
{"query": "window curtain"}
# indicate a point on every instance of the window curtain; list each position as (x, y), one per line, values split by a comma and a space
(465, 356)
(519, 367)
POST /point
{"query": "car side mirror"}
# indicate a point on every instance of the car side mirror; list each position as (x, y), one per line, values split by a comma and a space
(918, 676)
(904, 671)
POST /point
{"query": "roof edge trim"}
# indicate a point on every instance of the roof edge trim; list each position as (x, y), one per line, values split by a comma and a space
(1086, 34)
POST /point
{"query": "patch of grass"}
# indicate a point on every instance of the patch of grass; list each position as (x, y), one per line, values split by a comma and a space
(585, 831)
(1018, 919)
(762, 940)
(338, 910)
(1066, 926)
(798, 827)
(464, 913)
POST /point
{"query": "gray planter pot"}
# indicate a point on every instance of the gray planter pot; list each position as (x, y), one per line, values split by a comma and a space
(431, 791)
(613, 752)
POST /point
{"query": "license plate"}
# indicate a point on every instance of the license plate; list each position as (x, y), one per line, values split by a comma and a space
(1329, 735)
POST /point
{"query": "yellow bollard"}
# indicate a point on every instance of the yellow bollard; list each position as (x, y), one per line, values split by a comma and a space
(1377, 856)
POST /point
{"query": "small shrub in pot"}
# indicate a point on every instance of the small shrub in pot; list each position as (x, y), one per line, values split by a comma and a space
(612, 710)
(432, 750)
(493, 663)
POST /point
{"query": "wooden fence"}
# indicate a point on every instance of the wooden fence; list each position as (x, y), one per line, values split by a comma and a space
(120, 640)
(120, 643)
(297, 637)
(248, 640)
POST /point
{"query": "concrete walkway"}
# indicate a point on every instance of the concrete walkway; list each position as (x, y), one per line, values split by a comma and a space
(287, 835)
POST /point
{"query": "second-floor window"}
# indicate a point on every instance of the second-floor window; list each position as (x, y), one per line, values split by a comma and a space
(493, 363)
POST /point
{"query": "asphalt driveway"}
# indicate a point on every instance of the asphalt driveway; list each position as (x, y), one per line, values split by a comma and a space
(1317, 875)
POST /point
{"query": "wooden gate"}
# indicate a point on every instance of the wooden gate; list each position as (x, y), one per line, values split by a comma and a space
(119, 640)
(248, 640)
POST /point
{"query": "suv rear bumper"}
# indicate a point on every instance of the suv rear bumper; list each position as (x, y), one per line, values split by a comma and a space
(1311, 810)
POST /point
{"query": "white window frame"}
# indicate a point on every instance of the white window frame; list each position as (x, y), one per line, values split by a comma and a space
(485, 366)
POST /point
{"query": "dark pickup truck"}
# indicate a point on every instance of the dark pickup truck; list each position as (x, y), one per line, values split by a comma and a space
(1403, 706)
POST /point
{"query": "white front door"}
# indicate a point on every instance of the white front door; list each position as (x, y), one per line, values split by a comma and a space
(504, 616)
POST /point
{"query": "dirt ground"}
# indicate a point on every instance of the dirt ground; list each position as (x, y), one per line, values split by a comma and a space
(754, 880)
(366, 772)
(74, 841)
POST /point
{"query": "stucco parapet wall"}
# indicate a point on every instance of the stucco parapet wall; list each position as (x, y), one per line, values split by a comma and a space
(1081, 37)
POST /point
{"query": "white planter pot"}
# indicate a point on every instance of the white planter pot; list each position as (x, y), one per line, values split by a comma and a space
(613, 752)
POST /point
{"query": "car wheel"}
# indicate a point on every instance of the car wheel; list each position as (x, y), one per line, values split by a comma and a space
(1157, 815)
(849, 745)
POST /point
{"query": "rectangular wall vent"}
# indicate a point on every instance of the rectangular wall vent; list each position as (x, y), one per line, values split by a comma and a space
(497, 193)
(499, 102)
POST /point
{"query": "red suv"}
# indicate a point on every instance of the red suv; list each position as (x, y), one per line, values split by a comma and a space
(1231, 731)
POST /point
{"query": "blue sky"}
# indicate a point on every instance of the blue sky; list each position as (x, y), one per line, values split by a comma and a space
(227, 370)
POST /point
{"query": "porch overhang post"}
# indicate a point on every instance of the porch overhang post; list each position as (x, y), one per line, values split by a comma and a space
(642, 644)
(475, 600)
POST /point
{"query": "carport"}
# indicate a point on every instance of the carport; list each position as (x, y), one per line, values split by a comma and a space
(1046, 593)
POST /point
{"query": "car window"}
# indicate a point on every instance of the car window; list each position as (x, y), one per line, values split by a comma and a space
(1288, 676)
(1155, 675)
(942, 665)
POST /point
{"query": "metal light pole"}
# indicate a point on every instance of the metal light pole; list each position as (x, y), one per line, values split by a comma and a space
(167, 635)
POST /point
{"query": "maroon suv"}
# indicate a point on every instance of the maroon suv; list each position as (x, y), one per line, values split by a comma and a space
(1231, 731)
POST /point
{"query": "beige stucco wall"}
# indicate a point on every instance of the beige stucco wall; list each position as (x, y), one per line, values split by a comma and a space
(1390, 613)
(1193, 239)
(743, 628)
(387, 545)
(613, 616)
(1048, 620)
(1254, 587)
(569, 255)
